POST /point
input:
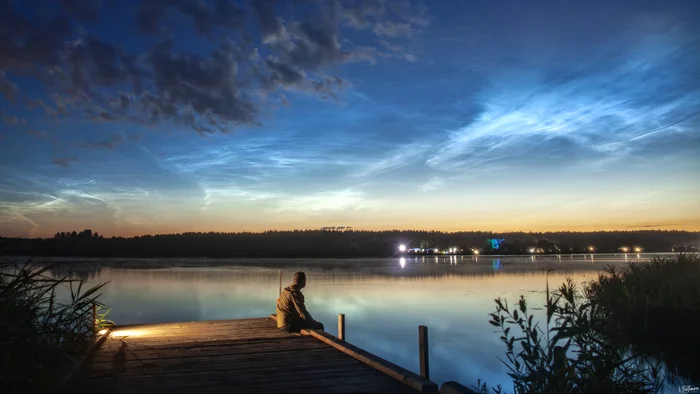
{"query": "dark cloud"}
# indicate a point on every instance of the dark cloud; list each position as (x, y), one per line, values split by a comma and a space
(284, 74)
(84, 10)
(38, 133)
(359, 14)
(64, 161)
(7, 88)
(90, 76)
(205, 15)
(109, 144)
(10, 120)
(653, 225)
(271, 27)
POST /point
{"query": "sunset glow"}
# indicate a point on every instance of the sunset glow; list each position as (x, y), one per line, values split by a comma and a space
(455, 115)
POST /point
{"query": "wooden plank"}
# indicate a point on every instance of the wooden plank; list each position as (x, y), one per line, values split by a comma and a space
(195, 351)
(320, 386)
(309, 359)
(403, 375)
(249, 355)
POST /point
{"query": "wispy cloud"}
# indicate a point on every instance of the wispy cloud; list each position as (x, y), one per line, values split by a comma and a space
(329, 201)
(64, 161)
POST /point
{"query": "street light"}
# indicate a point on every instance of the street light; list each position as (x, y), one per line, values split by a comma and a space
(402, 248)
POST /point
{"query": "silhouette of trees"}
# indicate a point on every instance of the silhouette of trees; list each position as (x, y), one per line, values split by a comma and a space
(348, 243)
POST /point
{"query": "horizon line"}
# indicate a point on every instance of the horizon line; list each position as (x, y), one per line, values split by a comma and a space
(348, 229)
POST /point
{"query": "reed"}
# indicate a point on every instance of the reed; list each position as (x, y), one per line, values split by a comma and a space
(46, 324)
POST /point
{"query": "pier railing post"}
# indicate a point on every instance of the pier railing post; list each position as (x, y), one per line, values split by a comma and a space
(280, 292)
(341, 327)
(94, 317)
(423, 351)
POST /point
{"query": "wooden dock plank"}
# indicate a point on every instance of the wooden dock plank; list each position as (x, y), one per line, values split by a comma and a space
(243, 356)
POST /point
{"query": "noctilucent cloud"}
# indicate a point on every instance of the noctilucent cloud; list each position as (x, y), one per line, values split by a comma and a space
(174, 115)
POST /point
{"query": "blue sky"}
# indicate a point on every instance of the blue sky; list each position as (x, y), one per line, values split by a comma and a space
(175, 115)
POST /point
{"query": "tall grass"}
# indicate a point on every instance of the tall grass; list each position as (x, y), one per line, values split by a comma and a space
(42, 334)
(610, 335)
(661, 282)
(654, 307)
(571, 354)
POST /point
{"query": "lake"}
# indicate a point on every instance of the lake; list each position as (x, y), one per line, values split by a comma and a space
(384, 300)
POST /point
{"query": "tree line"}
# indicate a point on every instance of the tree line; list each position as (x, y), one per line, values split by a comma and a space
(352, 243)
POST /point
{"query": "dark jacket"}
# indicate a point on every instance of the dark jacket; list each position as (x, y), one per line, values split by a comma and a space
(291, 309)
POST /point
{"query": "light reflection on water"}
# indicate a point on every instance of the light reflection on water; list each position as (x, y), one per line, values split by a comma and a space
(384, 300)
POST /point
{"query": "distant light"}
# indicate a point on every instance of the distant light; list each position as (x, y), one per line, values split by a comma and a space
(102, 332)
(476, 252)
(437, 250)
(637, 249)
(591, 248)
(532, 250)
(402, 261)
(402, 248)
(625, 249)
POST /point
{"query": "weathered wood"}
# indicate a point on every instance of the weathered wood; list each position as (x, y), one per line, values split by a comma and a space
(403, 375)
(249, 355)
(94, 317)
(455, 388)
(423, 351)
(341, 327)
(75, 371)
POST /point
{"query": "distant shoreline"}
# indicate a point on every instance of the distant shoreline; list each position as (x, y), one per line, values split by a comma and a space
(350, 244)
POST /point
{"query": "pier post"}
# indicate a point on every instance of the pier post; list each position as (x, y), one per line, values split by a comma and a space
(423, 351)
(94, 317)
(341, 326)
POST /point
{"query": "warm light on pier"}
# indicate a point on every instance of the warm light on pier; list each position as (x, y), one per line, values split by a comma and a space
(130, 333)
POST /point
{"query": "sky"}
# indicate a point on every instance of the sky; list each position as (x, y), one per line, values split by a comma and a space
(168, 116)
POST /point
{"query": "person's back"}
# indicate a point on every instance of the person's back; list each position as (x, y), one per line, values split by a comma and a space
(292, 315)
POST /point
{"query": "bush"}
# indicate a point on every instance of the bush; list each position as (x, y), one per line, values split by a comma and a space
(571, 355)
(654, 306)
(41, 337)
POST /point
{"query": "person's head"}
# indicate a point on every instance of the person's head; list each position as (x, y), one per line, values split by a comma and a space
(299, 279)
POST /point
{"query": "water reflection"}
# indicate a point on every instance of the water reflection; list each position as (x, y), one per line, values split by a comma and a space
(497, 264)
(384, 302)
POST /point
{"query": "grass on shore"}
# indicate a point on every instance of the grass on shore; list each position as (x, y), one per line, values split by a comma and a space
(41, 336)
(610, 335)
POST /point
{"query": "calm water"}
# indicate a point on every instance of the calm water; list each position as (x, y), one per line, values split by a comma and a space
(384, 300)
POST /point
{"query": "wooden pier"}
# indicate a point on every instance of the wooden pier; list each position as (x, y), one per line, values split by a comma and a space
(239, 356)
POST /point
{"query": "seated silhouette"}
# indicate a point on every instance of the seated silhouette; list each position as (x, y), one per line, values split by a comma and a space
(292, 315)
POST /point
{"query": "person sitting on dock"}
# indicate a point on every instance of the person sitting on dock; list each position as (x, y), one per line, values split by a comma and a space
(292, 315)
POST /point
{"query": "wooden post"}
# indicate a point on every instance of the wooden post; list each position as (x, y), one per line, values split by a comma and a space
(423, 351)
(280, 293)
(94, 317)
(341, 327)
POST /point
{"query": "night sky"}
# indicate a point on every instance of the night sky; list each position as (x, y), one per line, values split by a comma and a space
(173, 115)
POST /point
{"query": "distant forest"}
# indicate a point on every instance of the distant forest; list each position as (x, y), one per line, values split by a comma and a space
(348, 243)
